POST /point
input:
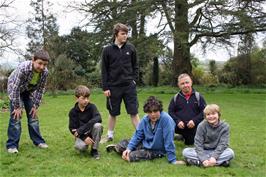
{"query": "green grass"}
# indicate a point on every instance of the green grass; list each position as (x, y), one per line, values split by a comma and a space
(245, 112)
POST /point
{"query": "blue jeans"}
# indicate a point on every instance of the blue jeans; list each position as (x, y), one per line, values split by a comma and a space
(14, 127)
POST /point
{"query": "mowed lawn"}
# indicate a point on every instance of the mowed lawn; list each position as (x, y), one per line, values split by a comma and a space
(245, 112)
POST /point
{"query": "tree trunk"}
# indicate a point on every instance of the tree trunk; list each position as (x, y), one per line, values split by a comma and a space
(181, 59)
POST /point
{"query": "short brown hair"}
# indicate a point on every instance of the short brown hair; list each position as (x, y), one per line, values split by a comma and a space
(82, 90)
(212, 108)
(119, 27)
(41, 54)
(182, 76)
(152, 104)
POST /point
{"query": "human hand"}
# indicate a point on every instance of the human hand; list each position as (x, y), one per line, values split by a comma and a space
(125, 155)
(205, 163)
(89, 141)
(33, 112)
(17, 113)
(107, 93)
(212, 161)
(191, 124)
(181, 125)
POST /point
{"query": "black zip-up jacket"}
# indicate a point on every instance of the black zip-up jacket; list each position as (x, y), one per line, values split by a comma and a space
(83, 121)
(119, 65)
(186, 110)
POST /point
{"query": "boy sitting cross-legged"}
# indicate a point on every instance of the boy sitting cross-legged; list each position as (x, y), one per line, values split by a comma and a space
(85, 122)
(211, 141)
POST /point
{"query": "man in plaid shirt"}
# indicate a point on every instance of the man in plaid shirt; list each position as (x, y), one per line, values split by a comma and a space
(25, 88)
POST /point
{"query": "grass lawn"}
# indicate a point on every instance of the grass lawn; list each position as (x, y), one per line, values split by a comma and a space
(245, 112)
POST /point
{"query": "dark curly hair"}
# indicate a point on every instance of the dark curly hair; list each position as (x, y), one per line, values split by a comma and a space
(152, 104)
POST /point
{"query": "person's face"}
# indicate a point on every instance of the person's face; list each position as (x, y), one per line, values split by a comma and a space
(185, 84)
(212, 118)
(39, 65)
(154, 115)
(121, 37)
(83, 101)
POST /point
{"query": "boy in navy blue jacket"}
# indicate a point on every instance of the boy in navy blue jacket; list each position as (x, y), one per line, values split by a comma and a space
(186, 108)
(85, 122)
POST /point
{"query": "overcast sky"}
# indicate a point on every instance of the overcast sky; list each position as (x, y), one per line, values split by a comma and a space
(67, 20)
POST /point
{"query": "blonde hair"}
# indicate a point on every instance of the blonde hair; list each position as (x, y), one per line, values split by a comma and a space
(212, 108)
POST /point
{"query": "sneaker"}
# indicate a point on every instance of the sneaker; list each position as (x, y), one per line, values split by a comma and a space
(193, 162)
(106, 139)
(178, 137)
(225, 164)
(95, 154)
(110, 147)
(43, 145)
(12, 150)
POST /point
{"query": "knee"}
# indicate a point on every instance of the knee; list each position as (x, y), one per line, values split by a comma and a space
(187, 152)
(80, 147)
(231, 153)
(98, 126)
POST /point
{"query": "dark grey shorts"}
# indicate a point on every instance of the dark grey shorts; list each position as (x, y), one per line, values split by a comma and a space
(126, 93)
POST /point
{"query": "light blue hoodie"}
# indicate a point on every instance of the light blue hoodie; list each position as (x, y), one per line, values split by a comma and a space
(160, 139)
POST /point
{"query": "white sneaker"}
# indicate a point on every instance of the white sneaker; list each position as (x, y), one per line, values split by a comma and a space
(43, 145)
(12, 150)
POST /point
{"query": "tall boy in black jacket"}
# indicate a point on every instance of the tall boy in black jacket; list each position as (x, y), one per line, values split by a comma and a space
(85, 122)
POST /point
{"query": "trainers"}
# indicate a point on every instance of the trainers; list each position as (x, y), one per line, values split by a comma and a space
(12, 150)
(110, 147)
(43, 145)
(106, 139)
(225, 164)
(193, 162)
(95, 154)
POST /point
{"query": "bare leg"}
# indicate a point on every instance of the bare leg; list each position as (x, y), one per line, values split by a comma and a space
(135, 120)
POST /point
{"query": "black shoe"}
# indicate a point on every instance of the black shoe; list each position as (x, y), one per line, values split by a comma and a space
(225, 164)
(193, 162)
(95, 154)
(110, 147)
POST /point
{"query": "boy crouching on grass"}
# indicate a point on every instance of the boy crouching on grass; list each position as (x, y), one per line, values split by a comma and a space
(85, 122)
(211, 141)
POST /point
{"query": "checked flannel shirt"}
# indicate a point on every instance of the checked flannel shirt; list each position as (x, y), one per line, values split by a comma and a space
(18, 82)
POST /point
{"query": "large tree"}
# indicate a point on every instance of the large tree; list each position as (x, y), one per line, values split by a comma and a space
(187, 23)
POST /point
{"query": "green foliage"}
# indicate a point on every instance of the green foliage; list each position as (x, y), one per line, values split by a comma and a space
(82, 47)
(41, 27)
(247, 139)
(61, 74)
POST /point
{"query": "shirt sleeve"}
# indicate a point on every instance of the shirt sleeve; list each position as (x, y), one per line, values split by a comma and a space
(96, 118)
(199, 143)
(171, 111)
(104, 70)
(15, 83)
(168, 135)
(199, 117)
(137, 137)
(223, 143)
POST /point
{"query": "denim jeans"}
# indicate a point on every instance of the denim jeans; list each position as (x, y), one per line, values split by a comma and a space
(14, 127)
